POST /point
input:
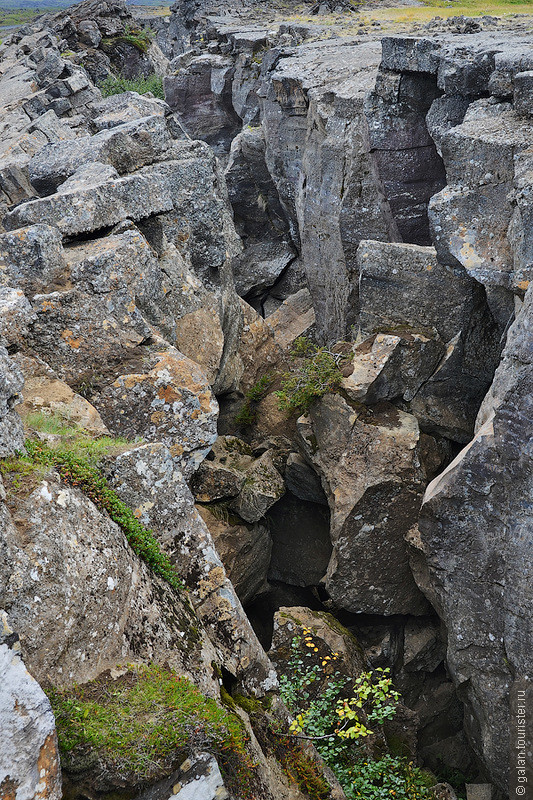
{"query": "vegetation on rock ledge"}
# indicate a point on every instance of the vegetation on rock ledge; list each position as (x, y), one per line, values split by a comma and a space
(76, 458)
(144, 722)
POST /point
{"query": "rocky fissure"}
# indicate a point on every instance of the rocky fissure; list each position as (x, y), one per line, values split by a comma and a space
(314, 211)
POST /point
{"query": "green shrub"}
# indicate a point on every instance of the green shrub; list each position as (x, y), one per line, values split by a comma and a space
(336, 713)
(116, 84)
(140, 38)
(317, 373)
(146, 720)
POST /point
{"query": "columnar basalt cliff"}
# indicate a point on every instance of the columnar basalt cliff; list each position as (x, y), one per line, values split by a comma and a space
(160, 262)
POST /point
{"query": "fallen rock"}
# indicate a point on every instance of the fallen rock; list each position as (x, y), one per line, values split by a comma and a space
(126, 147)
(369, 463)
(29, 755)
(91, 199)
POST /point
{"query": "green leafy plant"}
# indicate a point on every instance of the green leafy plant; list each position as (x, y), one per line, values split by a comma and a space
(143, 722)
(336, 714)
(317, 372)
(138, 37)
(116, 84)
(389, 778)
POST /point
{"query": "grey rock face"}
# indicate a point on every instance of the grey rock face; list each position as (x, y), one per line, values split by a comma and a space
(32, 259)
(75, 580)
(29, 756)
(170, 402)
(83, 206)
(201, 95)
(16, 317)
(126, 147)
(11, 383)
(476, 510)
(148, 481)
(404, 285)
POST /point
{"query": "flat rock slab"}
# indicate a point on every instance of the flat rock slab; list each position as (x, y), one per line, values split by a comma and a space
(84, 208)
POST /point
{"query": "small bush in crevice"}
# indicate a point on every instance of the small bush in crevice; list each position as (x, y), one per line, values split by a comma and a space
(317, 372)
(247, 416)
(116, 84)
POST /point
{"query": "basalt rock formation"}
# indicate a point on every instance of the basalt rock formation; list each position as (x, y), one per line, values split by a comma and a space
(158, 262)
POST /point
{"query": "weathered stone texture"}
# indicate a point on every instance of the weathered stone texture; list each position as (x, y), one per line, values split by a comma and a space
(29, 756)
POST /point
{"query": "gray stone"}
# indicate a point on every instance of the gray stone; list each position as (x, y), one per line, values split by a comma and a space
(201, 95)
(302, 480)
(29, 755)
(387, 367)
(32, 259)
(475, 550)
(481, 150)
(245, 550)
(148, 481)
(169, 402)
(201, 781)
(125, 107)
(126, 147)
(369, 463)
(75, 580)
(16, 317)
(87, 205)
(11, 383)
(523, 93)
(480, 244)
(263, 486)
(403, 285)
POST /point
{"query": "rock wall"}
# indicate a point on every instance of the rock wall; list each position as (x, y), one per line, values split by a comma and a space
(401, 171)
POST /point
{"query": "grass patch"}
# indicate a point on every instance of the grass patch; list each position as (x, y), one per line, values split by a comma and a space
(140, 38)
(116, 84)
(145, 722)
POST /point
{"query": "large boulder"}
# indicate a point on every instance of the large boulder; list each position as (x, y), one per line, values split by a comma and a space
(147, 480)
(70, 579)
(169, 402)
(369, 460)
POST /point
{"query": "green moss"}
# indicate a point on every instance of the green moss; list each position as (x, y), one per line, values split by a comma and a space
(76, 462)
(144, 722)
(249, 704)
(226, 698)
